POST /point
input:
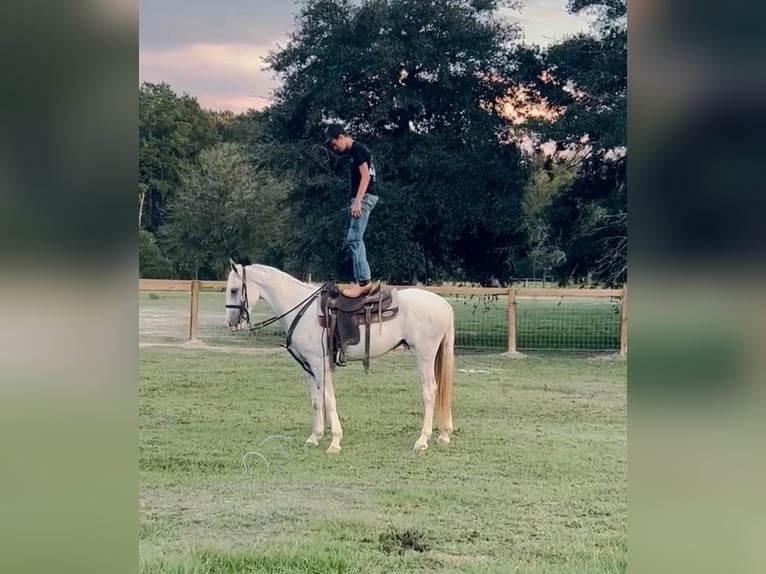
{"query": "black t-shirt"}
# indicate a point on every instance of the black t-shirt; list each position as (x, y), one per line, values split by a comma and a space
(359, 155)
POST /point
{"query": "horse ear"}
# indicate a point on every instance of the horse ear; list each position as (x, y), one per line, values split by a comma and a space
(233, 266)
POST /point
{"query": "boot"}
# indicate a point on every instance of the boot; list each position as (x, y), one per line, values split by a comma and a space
(360, 290)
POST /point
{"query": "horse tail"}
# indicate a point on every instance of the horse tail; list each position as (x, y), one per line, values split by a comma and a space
(443, 369)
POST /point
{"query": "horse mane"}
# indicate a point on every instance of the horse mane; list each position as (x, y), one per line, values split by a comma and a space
(283, 276)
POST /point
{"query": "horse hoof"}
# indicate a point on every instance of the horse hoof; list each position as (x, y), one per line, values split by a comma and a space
(311, 443)
(444, 439)
(420, 447)
(333, 449)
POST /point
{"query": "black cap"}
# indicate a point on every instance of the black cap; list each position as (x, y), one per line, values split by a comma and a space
(332, 131)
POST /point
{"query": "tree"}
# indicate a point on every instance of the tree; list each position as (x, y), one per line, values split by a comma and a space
(171, 130)
(151, 263)
(418, 81)
(224, 208)
(584, 78)
(383, 65)
(589, 220)
(547, 180)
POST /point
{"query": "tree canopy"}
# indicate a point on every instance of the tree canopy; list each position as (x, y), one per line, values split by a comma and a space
(426, 85)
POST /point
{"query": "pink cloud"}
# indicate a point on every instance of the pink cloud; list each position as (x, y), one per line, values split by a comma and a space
(236, 104)
(220, 76)
(205, 59)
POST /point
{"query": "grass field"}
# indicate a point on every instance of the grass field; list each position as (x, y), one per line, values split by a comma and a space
(535, 480)
(481, 323)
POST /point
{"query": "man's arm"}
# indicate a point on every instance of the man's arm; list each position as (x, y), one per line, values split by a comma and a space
(364, 182)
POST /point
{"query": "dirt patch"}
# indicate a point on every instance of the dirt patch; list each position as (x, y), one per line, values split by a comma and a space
(199, 345)
(202, 346)
(163, 323)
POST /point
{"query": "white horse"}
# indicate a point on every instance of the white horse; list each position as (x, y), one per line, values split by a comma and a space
(425, 323)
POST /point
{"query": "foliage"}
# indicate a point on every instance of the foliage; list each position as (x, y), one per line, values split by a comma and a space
(416, 81)
(381, 65)
(584, 78)
(151, 263)
(427, 86)
(224, 208)
(171, 130)
(590, 217)
(548, 178)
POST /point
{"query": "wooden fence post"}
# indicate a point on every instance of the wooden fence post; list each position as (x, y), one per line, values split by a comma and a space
(624, 323)
(512, 320)
(194, 312)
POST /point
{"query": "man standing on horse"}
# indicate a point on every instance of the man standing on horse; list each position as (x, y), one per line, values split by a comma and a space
(363, 200)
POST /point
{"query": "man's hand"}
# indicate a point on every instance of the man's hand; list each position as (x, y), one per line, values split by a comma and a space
(356, 208)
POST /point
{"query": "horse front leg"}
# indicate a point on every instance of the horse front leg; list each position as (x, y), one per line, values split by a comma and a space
(332, 414)
(323, 404)
(317, 406)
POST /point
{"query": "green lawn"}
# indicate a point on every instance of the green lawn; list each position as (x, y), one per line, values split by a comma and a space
(591, 325)
(534, 481)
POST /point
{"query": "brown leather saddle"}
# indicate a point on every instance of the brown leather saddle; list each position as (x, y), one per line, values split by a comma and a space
(341, 316)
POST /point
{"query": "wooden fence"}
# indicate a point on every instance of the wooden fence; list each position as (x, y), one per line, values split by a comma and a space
(514, 294)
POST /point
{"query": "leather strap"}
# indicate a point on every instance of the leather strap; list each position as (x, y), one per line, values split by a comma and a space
(331, 337)
(367, 324)
(380, 310)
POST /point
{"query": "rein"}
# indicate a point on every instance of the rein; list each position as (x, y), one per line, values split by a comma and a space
(306, 303)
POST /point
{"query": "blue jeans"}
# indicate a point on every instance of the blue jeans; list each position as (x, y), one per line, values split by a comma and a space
(355, 238)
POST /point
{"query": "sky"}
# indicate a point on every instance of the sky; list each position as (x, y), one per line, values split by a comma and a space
(213, 50)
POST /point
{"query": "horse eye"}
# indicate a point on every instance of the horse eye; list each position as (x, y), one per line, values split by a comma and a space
(233, 290)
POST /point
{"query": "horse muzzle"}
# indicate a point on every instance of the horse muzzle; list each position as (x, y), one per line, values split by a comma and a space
(236, 323)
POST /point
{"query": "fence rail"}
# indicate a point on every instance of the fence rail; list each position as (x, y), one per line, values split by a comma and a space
(511, 320)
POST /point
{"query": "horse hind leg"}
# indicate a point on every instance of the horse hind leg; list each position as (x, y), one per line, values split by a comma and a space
(444, 367)
(427, 377)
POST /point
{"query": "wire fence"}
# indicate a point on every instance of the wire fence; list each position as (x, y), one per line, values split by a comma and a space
(492, 320)
(568, 324)
(542, 324)
(481, 321)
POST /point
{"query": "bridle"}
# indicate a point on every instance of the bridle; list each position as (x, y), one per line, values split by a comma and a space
(244, 312)
(244, 316)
